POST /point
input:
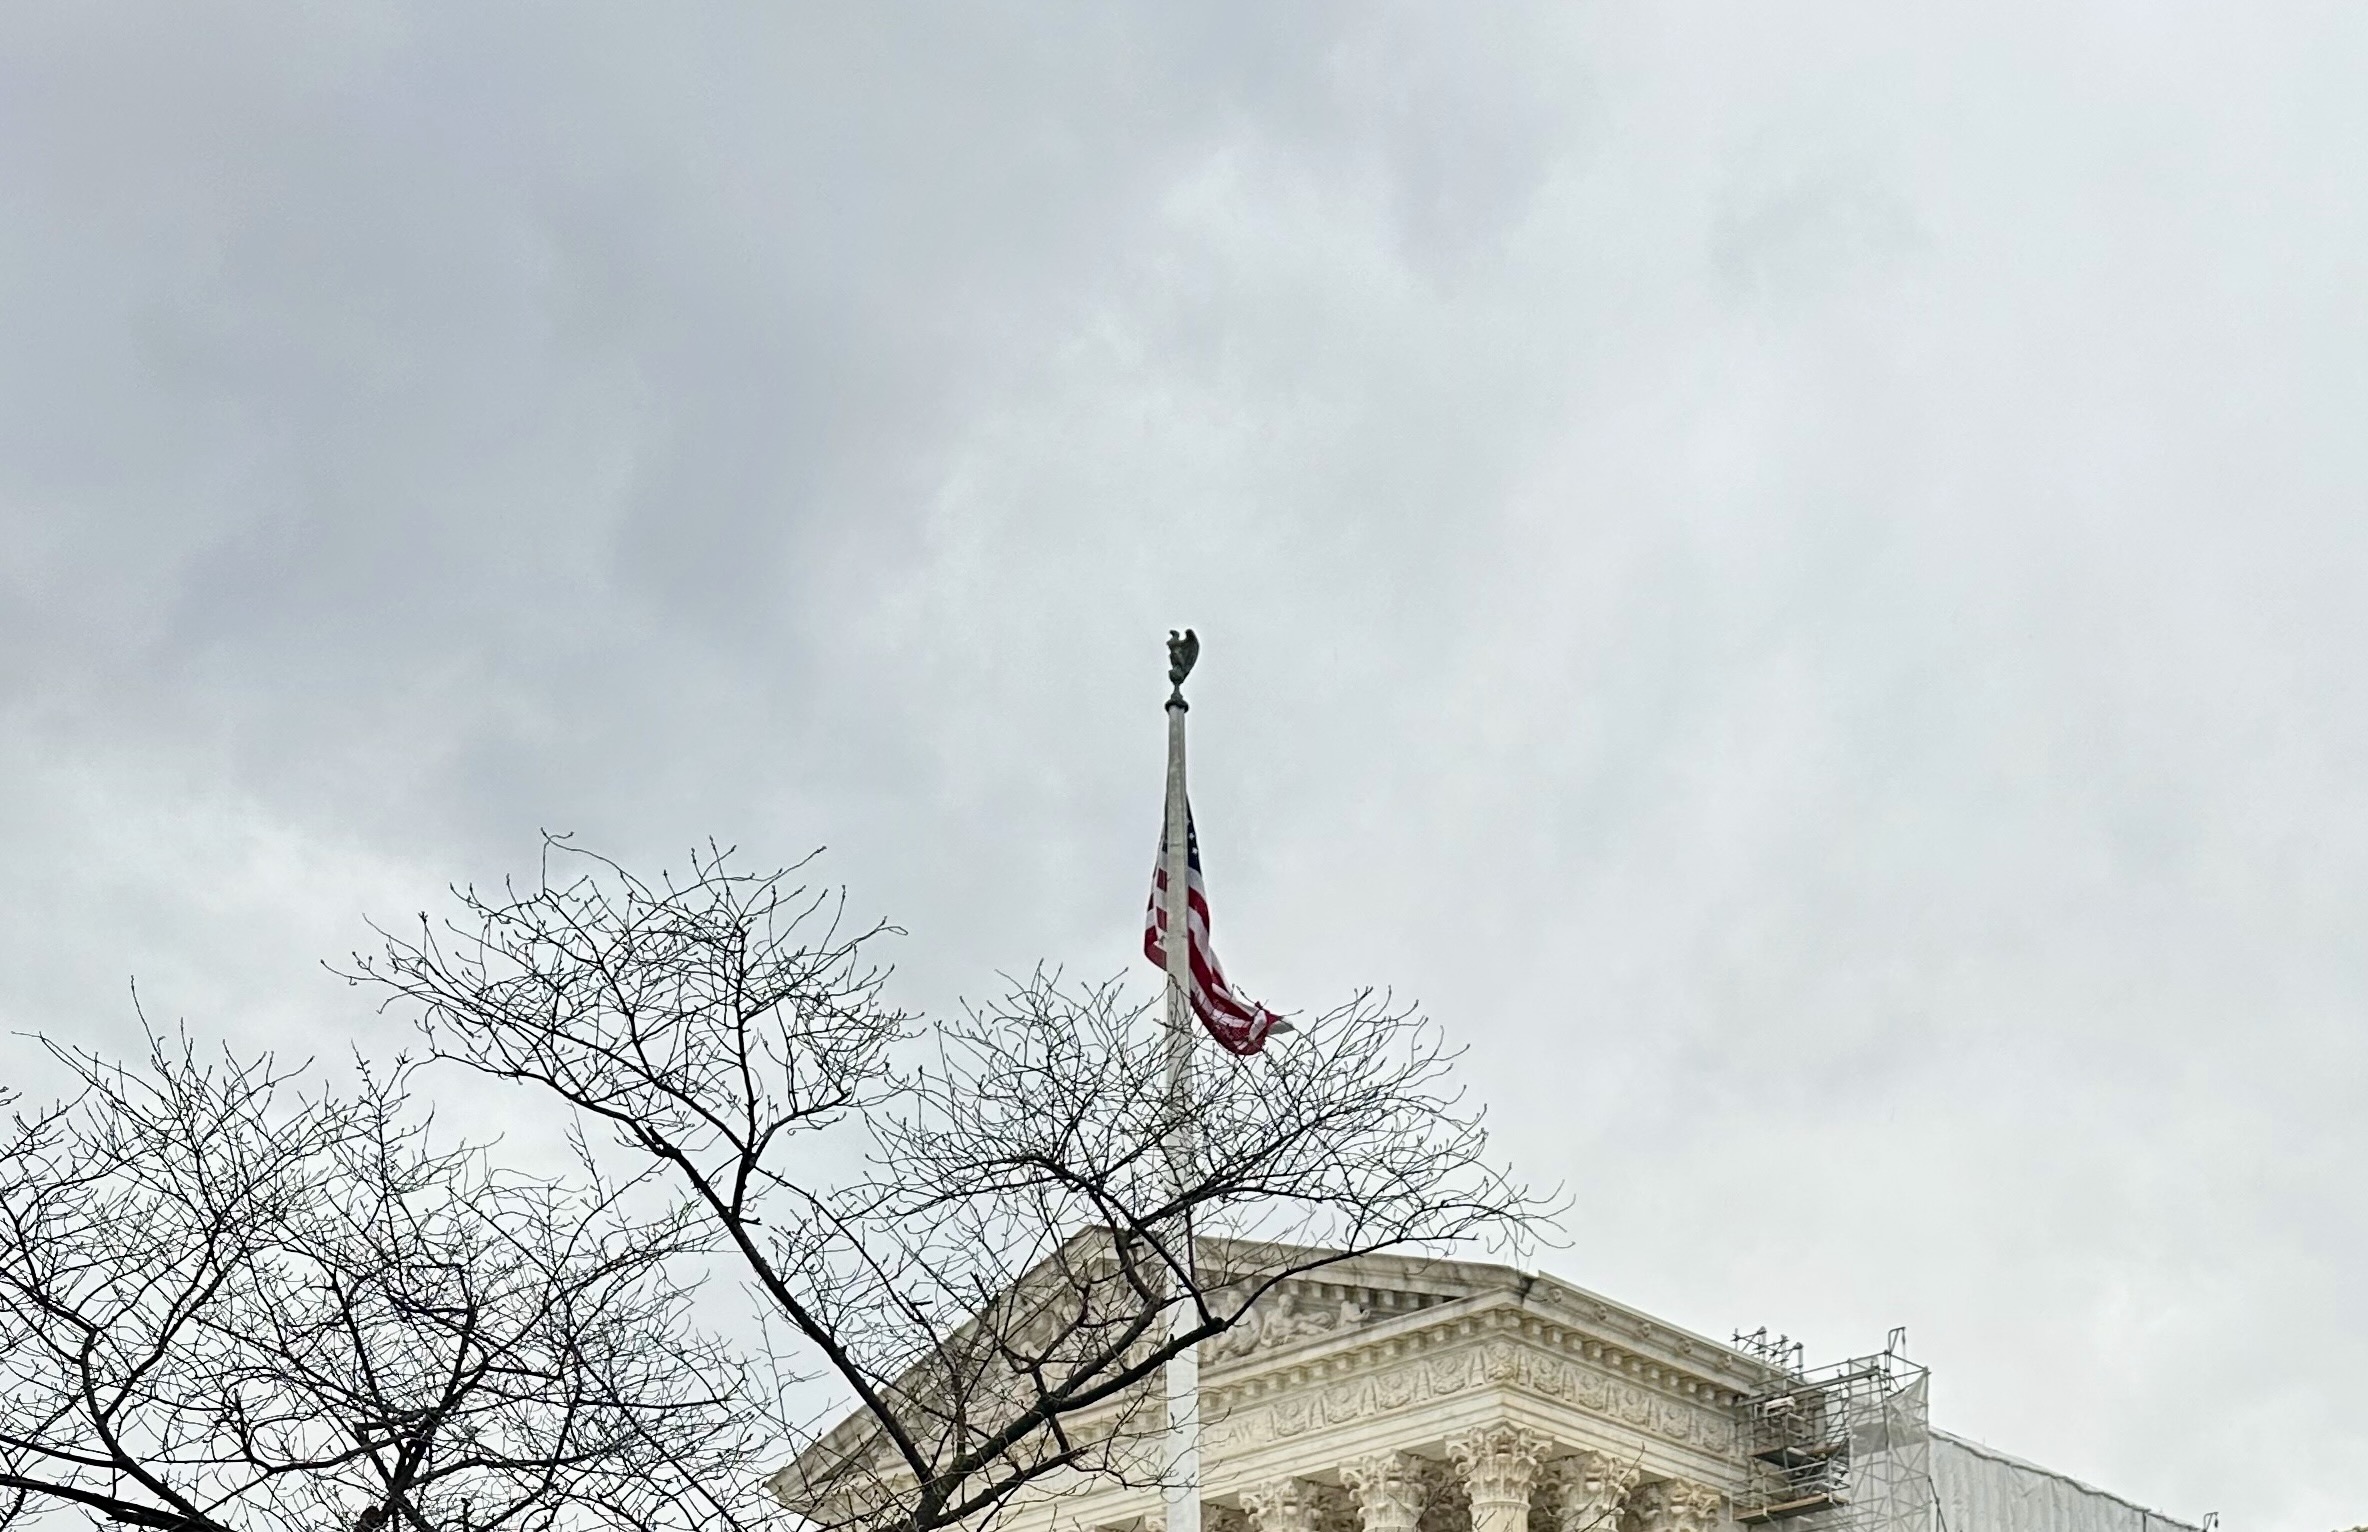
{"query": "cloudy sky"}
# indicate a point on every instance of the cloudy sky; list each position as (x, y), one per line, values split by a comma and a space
(1795, 572)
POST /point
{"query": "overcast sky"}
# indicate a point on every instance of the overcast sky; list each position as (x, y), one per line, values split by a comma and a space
(1796, 573)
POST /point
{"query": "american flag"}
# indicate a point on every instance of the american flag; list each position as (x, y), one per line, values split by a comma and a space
(1240, 1024)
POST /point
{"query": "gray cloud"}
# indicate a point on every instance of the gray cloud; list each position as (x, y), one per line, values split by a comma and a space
(1795, 575)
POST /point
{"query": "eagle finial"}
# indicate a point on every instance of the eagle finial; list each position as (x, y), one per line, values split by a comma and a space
(1183, 649)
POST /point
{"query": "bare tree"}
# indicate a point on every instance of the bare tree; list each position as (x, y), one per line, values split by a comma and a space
(228, 1303)
(993, 1267)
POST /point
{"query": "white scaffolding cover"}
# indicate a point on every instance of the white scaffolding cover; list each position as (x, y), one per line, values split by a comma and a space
(1981, 1490)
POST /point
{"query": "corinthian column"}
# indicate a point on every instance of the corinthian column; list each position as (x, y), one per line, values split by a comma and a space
(1586, 1491)
(1391, 1488)
(1674, 1505)
(1499, 1464)
(1287, 1505)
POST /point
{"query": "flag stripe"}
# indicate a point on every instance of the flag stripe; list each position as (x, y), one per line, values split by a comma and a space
(1238, 1023)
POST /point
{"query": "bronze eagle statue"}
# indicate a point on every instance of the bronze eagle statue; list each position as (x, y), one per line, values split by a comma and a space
(1183, 649)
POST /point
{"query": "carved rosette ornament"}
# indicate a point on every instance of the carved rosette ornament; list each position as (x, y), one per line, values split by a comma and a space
(1586, 1491)
(1288, 1505)
(1674, 1505)
(1499, 1464)
(1391, 1488)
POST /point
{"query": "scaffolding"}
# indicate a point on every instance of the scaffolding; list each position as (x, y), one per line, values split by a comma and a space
(1845, 1447)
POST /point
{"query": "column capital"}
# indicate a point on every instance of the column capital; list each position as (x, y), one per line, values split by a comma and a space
(1286, 1505)
(1586, 1491)
(1499, 1463)
(1677, 1505)
(1390, 1488)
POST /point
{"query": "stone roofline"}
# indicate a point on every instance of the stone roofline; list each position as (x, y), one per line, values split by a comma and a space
(1631, 1340)
(1403, 1304)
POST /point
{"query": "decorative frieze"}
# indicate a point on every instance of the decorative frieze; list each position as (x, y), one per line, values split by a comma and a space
(1560, 1378)
(1365, 1385)
(1390, 1489)
(1284, 1319)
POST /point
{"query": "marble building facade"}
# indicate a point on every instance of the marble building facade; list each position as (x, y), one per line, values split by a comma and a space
(1399, 1395)
(1405, 1395)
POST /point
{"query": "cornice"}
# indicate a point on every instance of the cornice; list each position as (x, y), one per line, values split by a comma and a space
(1409, 1367)
(1442, 1281)
(1551, 1317)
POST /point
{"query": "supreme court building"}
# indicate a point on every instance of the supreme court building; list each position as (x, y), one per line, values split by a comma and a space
(1409, 1395)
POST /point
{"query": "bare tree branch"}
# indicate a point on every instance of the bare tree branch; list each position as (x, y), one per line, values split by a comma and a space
(991, 1276)
(228, 1303)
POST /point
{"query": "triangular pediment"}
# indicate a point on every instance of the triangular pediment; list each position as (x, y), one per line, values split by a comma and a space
(1361, 1297)
(1351, 1294)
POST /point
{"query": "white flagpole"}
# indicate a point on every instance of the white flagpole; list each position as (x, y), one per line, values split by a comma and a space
(1183, 1380)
